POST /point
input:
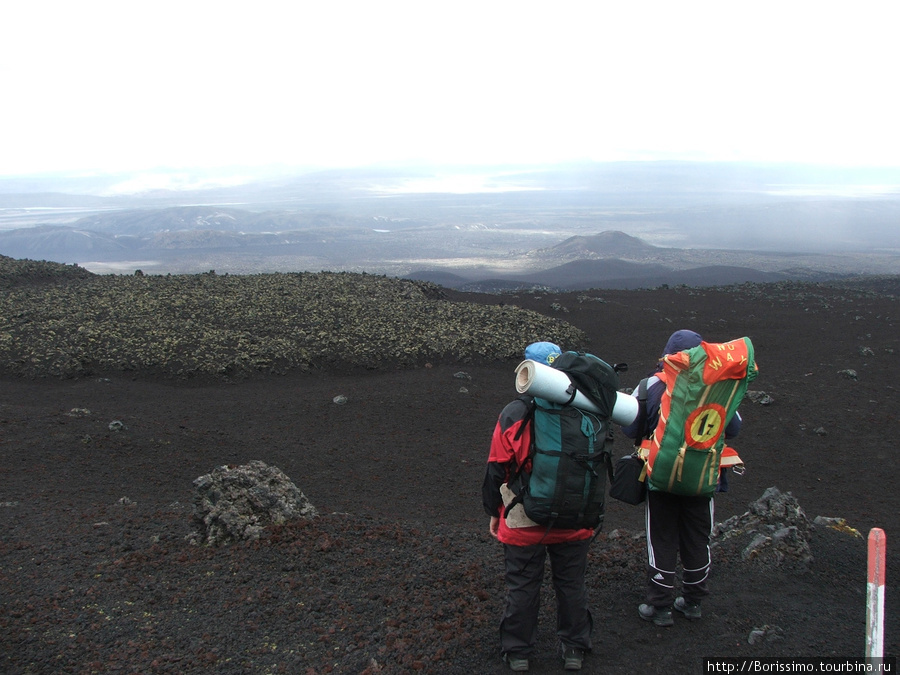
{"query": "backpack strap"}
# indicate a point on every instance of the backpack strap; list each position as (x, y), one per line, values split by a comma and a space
(571, 390)
(529, 415)
(527, 421)
(643, 432)
(607, 452)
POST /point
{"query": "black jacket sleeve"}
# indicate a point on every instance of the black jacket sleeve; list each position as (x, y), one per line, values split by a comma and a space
(494, 477)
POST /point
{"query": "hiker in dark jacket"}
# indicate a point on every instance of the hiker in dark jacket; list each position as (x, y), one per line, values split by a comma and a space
(526, 545)
(676, 524)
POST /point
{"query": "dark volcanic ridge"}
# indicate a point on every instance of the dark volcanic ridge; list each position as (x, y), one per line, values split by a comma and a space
(616, 260)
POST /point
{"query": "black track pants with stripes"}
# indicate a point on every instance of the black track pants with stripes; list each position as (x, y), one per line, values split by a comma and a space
(677, 525)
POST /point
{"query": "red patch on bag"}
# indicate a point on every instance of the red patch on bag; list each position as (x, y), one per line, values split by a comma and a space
(725, 361)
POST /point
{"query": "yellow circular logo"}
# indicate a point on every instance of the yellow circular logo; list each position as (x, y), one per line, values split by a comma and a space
(704, 426)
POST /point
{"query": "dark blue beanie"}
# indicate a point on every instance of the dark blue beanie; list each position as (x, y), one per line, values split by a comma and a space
(681, 340)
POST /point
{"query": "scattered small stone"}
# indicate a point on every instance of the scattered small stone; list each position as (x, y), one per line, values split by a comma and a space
(838, 524)
(463, 390)
(848, 374)
(340, 399)
(825, 520)
(866, 351)
(462, 376)
(765, 634)
(78, 412)
(820, 431)
(117, 425)
(760, 397)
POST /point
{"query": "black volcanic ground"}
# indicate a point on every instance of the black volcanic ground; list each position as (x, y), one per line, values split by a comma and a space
(399, 573)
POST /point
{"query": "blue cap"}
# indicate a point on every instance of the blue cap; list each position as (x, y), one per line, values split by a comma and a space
(543, 352)
(681, 340)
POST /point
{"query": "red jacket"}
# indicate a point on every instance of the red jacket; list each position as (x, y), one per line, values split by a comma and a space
(507, 454)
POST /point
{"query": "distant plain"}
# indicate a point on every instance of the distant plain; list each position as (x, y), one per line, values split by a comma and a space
(624, 225)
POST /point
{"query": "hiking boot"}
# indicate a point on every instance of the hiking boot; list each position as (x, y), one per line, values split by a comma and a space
(691, 610)
(661, 616)
(516, 664)
(572, 658)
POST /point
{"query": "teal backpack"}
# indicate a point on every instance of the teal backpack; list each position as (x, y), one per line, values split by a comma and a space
(570, 450)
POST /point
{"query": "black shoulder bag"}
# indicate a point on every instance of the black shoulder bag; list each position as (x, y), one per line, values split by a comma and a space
(629, 482)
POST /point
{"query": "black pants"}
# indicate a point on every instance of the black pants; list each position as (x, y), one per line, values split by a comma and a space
(677, 525)
(524, 576)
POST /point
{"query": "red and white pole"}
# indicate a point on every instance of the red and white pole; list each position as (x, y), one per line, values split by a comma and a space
(875, 602)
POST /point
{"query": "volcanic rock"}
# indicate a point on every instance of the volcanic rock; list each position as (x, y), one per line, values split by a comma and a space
(237, 503)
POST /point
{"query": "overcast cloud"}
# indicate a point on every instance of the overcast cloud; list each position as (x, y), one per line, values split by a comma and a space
(106, 86)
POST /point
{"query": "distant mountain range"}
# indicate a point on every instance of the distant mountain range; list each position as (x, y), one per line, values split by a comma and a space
(610, 259)
(579, 226)
(614, 262)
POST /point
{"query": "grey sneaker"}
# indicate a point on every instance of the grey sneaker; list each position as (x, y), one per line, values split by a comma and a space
(661, 616)
(691, 610)
(516, 663)
(572, 658)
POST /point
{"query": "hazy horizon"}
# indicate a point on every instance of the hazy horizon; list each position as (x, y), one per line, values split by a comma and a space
(777, 178)
(509, 221)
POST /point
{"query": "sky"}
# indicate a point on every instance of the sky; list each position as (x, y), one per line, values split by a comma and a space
(97, 86)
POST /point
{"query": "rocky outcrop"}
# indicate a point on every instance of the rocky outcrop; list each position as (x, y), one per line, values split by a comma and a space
(773, 531)
(236, 503)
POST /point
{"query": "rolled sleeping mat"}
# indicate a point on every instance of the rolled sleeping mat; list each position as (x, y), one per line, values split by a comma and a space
(542, 381)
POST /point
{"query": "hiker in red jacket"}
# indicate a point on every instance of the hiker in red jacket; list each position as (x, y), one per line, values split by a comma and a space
(526, 545)
(676, 524)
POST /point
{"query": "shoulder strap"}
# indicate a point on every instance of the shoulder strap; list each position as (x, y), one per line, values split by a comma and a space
(527, 422)
(642, 410)
(529, 415)
(607, 453)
